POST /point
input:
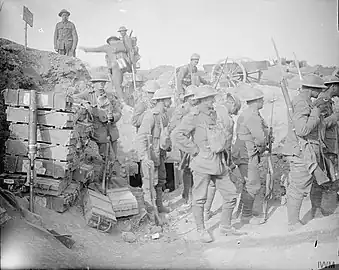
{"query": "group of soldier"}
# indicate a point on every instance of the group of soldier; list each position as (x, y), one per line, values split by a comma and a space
(201, 127)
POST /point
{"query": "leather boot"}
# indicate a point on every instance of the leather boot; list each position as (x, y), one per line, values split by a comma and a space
(225, 221)
(198, 214)
(210, 197)
(159, 202)
(247, 216)
(293, 212)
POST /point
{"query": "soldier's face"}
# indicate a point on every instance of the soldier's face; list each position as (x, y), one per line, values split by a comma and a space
(260, 103)
(167, 103)
(194, 62)
(64, 17)
(123, 33)
(99, 85)
(209, 101)
(335, 89)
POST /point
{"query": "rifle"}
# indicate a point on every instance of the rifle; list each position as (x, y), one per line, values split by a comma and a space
(151, 186)
(297, 65)
(269, 175)
(222, 71)
(107, 150)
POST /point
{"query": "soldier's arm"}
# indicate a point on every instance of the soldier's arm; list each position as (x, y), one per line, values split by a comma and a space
(139, 109)
(332, 119)
(203, 81)
(101, 49)
(304, 118)
(145, 130)
(180, 135)
(175, 119)
(116, 112)
(254, 124)
(75, 37)
(55, 36)
(181, 75)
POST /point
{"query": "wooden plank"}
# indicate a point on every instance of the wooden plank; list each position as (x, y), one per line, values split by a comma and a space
(50, 135)
(46, 100)
(46, 118)
(47, 151)
(55, 169)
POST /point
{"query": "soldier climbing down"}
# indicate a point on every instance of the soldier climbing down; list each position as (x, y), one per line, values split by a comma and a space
(152, 126)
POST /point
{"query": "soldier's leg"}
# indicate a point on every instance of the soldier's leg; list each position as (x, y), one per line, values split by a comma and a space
(161, 174)
(228, 191)
(299, 186)
(188, 182)
(209, 201)
(117, 78)
(250, 172)
(316, 195)
(199, 193)
(114, 150)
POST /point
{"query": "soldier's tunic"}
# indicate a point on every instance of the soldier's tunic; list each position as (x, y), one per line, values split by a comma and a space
(150, 125)
(206, 165)
(65, 38)
(187, 76)
(251, 138)
(139, 110)
(304, 156)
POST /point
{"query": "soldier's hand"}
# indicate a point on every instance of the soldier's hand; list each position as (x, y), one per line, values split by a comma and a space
(149, 163)
(332, 120)
(320, 101)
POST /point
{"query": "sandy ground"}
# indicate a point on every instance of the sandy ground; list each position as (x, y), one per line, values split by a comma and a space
(266, 247)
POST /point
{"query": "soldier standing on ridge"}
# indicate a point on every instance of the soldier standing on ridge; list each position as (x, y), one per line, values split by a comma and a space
(187, 75)
(225, 110)
(193, 136)
(65, 35)
(117, 61)
(151, 125)
(303, 150)
(128, 44)
(176, 118)
(105, 113)
(251, 143)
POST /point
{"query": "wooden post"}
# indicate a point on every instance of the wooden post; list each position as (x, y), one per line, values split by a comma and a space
(25, 36)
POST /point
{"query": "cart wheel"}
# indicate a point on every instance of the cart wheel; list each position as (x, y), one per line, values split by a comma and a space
(253, 76)
(233, 73)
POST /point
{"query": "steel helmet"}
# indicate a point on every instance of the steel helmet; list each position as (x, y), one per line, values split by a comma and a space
(312, 80)
(100, 77)
(122, 28)
(252, 94)
(151, 86)
(110, 38)
(163, 93)
(64, 11)
(190, 91)
(331, 80)
(204, 91)
(195, 56)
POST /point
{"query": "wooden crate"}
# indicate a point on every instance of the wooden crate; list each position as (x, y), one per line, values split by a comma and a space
(84, 173)
(123, 201)
(47, 151)
(98, 211)
(46, 118)
(62, 202)
(48, 135)
(46, 100)
(56, 169)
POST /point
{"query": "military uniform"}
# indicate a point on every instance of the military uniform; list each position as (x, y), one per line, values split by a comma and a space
(206, 165)
(65, 37)
(302, 148)
(151, 126)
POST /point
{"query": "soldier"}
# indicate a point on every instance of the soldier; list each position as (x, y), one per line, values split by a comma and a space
(176, 118)
(187, 75)
(302, 149)
(225, 110)
(199, 135)
(145, 102)
(105, 112)
(128, 42)
(250, 144)
(117, 62)
(152, 125)
(65, 35)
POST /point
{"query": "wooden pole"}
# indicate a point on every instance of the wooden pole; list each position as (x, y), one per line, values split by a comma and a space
(25, 36)
(297, 65)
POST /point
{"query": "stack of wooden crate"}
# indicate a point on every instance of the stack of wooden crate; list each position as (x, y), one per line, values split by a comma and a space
(58, 153)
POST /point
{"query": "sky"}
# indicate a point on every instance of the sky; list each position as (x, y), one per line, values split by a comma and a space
(169, 31)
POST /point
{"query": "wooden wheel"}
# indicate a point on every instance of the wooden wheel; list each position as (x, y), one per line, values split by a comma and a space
(253, 76)
(232, 73)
